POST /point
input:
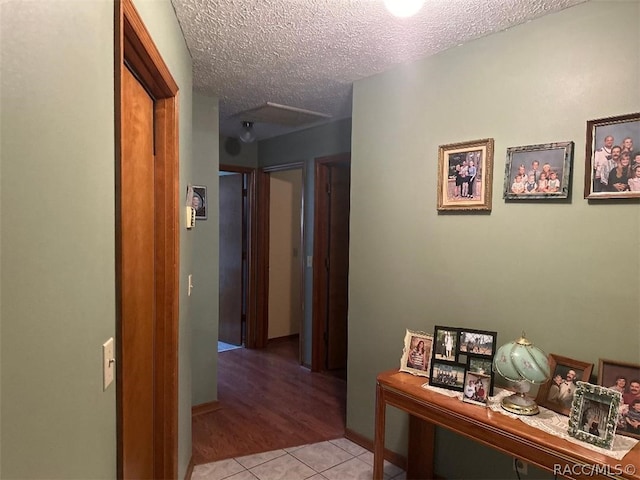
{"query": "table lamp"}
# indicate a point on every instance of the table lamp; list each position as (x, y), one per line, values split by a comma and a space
(524, 364)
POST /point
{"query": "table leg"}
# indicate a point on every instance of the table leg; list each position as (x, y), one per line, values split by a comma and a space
(420, 454)
(378, 442)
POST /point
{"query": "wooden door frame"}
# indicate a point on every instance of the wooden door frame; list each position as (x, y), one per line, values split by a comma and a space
(252, 258)
(321, 245)
(261, 328)
(134, 46)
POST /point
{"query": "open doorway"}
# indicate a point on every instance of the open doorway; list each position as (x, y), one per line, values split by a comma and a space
(280, 219)
(237, 257)
(331, 263)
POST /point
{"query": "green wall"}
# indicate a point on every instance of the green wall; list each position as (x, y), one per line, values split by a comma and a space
(204, 298)
(305, 146)
(566, 273)
(247, 155)
(57, 220)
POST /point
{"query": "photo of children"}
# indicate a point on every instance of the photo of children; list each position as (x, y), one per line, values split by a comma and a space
(449, 376)
(538, 171)
(476, 388)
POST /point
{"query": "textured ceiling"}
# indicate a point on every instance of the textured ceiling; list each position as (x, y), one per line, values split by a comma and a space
(307, 53)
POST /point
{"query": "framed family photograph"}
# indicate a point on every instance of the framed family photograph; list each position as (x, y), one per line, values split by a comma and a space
(612, 158)
(557, 394)
(594, 414)
(624, 378)
(199, 201)
(538, 172)
(465, 173)
(416, 355)
(477, 387)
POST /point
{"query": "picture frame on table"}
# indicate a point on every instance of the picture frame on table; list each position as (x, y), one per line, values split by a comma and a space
(625, 378)
(199, 201)
(416, 355)
(608, 173)
(538, 172)
(465, 172)
(557, 394)
(594, 414)
(460, 352)
(477, 387)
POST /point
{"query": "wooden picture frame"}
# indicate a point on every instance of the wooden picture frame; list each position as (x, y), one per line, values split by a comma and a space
(557, 394)
(416, 359)
(625, 378)
(199, 201)
(538, 172)
(460, 187)
(607, 141)
(594, 414)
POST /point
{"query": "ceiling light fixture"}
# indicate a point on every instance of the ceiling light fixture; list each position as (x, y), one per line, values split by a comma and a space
(247, 134)
(403, 8)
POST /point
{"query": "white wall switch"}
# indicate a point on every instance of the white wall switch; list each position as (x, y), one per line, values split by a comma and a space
(108, 363)
(190, 286)
(309, 261)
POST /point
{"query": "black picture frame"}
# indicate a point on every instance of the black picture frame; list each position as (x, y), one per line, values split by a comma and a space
(459, 353)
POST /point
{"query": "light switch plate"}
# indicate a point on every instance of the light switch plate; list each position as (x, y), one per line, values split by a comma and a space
(108, 363)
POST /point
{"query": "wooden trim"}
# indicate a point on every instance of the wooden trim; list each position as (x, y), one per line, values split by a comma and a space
(285, 338)
(320, 247)
(135, 48)
(190, 467)
(364, 442)
(283, 167)
(260, 326)
(203, 408)
(142, 51)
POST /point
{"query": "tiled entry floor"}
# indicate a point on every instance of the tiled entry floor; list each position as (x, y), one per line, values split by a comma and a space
(338, 459)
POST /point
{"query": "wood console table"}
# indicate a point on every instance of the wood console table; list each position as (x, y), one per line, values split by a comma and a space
(427, 409)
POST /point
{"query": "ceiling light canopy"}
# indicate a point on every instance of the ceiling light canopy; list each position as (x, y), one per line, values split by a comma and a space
(247, 134)
(403, 8)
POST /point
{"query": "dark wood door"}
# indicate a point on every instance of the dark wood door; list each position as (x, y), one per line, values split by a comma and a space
(338, 262)
(231, 262)
(138, 280)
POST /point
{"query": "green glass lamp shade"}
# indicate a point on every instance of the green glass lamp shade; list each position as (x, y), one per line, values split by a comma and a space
(520, 360)
(522, 363)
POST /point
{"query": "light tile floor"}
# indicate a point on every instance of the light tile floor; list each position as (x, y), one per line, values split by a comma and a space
(339, 459)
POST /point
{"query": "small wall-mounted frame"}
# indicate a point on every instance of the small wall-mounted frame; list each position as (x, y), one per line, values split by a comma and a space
(612, 159)
(557, 394)
(624, 378)
(538, 172)
(416, 355)
(465, 172)
(594, 414)
(199, 201)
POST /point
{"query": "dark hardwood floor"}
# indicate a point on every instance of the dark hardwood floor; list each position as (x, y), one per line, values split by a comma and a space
(268, 401)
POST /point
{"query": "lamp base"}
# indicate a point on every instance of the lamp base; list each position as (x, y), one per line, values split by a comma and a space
(520, 404)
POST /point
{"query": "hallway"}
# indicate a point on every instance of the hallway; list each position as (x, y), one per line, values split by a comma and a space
(267, 402)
